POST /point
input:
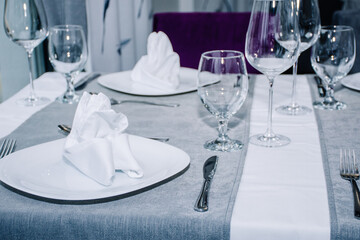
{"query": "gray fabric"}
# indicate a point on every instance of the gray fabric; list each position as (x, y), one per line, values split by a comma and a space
(164, 212)
(351, 18)
(339, 129)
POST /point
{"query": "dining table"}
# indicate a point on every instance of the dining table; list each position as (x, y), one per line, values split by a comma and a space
(290, 192)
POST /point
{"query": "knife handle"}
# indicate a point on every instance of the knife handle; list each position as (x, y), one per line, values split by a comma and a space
(356, 198)
(201, 204)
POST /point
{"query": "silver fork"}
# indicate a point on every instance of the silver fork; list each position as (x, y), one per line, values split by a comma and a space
(67, 129)
(349, 171)
(114, 101)
(7, 147)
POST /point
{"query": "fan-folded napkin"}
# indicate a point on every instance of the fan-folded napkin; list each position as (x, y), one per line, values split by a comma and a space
(160, 68)
(96, 145)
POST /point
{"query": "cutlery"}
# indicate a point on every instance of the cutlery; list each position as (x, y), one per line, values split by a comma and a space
(81, 84)
(320, 86)
(116, 102)
(209, 169)
(113, 101)
(349, 171)
(7, 147)
(66, 129)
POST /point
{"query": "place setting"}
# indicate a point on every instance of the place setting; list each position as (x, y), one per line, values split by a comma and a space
(156, 74)
(97, 160)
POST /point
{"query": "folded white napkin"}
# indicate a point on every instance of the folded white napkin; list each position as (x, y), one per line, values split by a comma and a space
(160, 67)
(96, 144)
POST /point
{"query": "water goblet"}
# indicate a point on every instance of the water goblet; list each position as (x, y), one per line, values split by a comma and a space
(309, 28)
(332, 58)
(25, 24)
(272, 46)
(68, 55)
(222, 87)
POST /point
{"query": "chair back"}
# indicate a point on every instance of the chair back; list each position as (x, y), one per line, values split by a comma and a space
(194, 33)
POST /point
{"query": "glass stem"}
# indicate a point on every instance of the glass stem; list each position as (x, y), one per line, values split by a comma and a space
(32, 96)
(293, 95)
(70, 92)
(222, 128)
(269, 133)
(329, 94)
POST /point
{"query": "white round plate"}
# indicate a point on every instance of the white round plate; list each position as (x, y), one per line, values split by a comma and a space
(352, 81)
(41, 171)
(122, 82)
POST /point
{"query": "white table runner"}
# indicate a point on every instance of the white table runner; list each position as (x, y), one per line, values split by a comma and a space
(282, 192)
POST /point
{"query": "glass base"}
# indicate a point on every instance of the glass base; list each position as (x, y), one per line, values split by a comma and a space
(336, 105)
(32, 102)
(293, 110)
(273, 141)
(68, 99)
(227, 145)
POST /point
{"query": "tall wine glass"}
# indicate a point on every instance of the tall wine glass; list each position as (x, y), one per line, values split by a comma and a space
(332, 58)
(222, 87)
(25, 24)
(309, 27)
(68, 55)
(272, 46)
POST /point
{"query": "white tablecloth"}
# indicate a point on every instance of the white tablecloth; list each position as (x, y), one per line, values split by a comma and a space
(282, 193)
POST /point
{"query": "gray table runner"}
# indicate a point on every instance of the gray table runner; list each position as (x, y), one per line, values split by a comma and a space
(339, 129)
(164, 212)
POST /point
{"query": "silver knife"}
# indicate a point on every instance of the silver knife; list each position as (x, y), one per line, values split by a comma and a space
(320, 86)
(81, 84)
(209, 169)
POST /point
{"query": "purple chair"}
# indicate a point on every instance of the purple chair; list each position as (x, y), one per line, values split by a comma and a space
(194, 33)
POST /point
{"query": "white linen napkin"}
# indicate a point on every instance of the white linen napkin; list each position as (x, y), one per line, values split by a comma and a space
(96, 144)
(160, 68)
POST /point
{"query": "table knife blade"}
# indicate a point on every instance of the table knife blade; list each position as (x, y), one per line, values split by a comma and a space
(209, 169)
(320, 86)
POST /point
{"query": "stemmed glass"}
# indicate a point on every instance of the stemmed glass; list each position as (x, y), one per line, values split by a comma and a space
(222, 87)
(332, 58)
(68, 55)
(25, 24)
(309, 28)
(272, 46)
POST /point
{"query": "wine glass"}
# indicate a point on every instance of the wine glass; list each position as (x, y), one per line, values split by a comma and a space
(272, 46)
(25, 24)
(222, 87)
(309, 28)
(332, 58)
(68, 55)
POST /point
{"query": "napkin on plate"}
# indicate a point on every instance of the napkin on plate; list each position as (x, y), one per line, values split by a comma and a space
(160, 67)
(96, 144)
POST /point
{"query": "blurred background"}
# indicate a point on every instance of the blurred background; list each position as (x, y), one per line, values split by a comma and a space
(117, 32)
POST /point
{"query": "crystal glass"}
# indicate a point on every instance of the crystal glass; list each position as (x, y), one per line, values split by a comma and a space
(332, 58)
(25, 24)
(68, 55)
(272, 46)
(222, 87)
(309, 28)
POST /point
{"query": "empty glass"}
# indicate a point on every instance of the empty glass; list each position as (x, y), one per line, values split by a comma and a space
(25, 24)
(68, 55)
(222, 87)
(309, 28)
(332, 58)
(272, 46)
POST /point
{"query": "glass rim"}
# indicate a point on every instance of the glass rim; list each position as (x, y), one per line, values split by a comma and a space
(336, 27)
(236, 55)
(66, 27)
